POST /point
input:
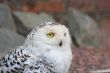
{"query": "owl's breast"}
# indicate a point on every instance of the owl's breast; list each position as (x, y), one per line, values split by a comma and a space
(60, 60)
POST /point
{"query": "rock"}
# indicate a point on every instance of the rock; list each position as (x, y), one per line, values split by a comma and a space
(84, 29)
(6, 19)
(9, 40)
(29, 20)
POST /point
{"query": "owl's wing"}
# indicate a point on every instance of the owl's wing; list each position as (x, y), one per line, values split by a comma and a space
(14, 61)
(40, 65)
(36, 66)
(19, 61)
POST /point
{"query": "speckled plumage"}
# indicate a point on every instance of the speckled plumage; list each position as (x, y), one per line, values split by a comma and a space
(39, 53)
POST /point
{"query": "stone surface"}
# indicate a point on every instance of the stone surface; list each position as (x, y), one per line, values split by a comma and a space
(6, 19)
(30, 20)
(9, 40)
(84, 29)
(26, 21)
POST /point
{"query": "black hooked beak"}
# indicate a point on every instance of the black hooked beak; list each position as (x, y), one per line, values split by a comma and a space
(60, 44)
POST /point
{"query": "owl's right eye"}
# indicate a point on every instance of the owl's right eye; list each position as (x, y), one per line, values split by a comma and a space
(50, 34)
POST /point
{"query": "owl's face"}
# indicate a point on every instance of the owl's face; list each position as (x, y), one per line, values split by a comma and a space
(53, 35)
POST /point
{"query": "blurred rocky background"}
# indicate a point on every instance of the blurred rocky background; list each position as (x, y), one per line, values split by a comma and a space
(87, 20)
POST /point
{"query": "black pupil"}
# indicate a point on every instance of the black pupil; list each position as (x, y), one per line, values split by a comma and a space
(50, 34)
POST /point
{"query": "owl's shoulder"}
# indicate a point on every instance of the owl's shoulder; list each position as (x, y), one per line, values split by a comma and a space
(14, 60)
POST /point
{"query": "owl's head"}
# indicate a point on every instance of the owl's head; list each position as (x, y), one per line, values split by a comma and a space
(49, 33)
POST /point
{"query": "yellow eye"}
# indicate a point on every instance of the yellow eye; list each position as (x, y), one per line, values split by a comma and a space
(50, 34)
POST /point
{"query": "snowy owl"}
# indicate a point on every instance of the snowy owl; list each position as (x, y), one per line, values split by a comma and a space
(47, 49)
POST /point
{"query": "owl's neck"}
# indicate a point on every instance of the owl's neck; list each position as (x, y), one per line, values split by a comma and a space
(46, 47)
